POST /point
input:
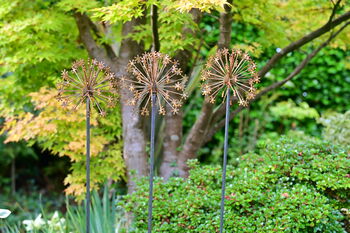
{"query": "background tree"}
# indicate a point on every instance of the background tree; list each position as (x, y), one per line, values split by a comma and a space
(40, 38)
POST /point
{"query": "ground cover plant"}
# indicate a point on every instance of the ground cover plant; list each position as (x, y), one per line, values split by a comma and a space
(293, 184)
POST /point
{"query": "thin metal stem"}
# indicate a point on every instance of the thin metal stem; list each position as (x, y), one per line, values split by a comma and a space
(227, 120)
(151, 170)
(87, 165)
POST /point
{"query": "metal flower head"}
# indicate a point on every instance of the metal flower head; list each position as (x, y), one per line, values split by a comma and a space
(87, 79)
(234, 70)
(155, 73)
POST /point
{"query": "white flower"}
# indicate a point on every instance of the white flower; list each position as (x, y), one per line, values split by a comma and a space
(56, 222)
(4, 213)
(36, 224)
(28, 225)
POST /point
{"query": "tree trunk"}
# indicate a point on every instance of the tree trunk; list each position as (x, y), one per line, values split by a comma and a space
(194, 139)
(13, 176)
(172, 142)
(133, 131)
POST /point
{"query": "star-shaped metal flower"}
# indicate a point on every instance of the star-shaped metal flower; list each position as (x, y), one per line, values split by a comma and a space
(87, 79)
(234, 70)
(155, 73)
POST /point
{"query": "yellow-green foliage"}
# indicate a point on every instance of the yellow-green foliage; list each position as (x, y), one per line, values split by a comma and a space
(289, 109)
(202, 5)
(38, 39)
(78, 5)
(32, 33)
(171, 25)
(64, 134)
(171, 22)
(121, 11)
(126, 10)
(282, 22)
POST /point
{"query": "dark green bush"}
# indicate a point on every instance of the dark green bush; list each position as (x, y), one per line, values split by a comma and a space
(289, 186)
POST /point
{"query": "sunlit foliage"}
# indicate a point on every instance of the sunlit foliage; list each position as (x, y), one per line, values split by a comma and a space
(61, 132)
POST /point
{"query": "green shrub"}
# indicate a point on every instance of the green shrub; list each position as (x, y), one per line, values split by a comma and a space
(291, 185)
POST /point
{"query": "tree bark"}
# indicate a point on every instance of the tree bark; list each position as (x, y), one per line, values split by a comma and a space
(133, 131)
(225, 27)
(134, 150)
(172, 142)
(95, 51)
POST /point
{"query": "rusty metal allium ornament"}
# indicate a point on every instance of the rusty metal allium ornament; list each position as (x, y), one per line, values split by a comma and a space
(233, 70)
(155, 73)
(91, 80)
(225, 72)
(155, 81)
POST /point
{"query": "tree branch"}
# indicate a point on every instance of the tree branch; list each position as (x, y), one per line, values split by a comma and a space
(335, 8)
(295, 72)
(107, 47)
(184, 56)
(225, 27)
(154, 25)
(94, 50)
(297, 44)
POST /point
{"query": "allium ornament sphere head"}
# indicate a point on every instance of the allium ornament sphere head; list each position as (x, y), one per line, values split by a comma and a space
(88, 79)
(155, 73)
(234, 70)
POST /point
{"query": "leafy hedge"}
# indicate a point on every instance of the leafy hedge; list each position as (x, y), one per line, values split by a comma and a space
(291, 185)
